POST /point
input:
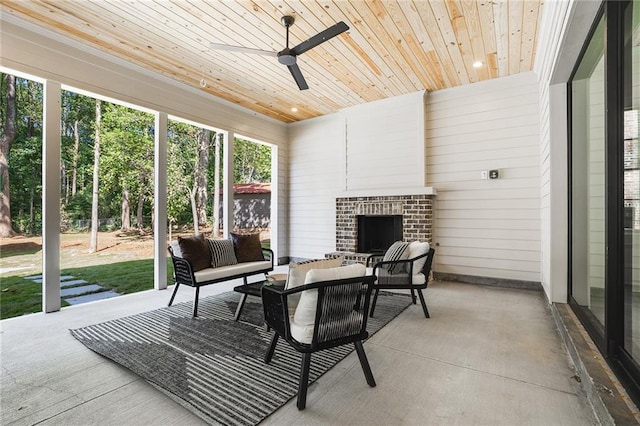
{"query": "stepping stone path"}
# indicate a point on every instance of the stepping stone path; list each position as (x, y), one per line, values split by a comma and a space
(74, 293)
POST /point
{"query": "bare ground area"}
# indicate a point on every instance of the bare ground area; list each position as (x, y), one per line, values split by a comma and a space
(22, 255)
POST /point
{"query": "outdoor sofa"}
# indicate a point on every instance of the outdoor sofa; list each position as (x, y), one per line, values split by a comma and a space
(198, 261)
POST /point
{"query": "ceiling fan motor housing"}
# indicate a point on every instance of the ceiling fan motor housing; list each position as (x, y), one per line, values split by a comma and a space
(286, 58)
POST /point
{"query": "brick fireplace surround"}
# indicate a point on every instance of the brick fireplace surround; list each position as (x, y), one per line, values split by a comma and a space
(417, 219)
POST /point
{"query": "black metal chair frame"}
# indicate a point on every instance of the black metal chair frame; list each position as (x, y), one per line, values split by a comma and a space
(276, 313)
(399, 282)
(183, 274)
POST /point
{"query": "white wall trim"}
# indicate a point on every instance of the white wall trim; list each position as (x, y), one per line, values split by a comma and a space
(427, 190)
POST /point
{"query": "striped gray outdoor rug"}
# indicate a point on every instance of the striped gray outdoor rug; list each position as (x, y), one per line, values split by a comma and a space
(213, 365)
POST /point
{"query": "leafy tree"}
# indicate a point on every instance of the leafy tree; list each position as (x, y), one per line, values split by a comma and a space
(25, 157)
(127, 159)
(78, 115)
(107, 162)
(188, 159)
(252, 162)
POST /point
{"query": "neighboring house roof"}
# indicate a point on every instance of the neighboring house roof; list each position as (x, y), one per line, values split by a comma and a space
(250, 188)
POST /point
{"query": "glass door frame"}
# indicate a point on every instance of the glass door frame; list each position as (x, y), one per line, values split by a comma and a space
(618, 76)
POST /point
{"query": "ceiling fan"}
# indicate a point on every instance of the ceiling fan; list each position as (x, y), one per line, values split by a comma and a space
(288, 56)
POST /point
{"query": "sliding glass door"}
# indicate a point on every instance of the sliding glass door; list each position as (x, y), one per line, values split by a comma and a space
(588, 182)
(631, 172)
(605, 188)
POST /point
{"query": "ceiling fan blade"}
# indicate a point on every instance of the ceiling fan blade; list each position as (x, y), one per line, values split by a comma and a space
(298, 77)
(230, 48)
(321, 37)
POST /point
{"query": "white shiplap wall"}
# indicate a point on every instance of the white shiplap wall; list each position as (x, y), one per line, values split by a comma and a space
(385, 144)
(373, 148)
(487, 228)
(316, 168)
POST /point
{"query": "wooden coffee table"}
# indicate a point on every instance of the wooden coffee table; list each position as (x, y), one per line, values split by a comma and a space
(254, 289)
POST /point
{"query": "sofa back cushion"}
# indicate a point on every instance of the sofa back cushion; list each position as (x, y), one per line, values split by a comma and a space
(196, 250)
(222, 253)
(247, 247)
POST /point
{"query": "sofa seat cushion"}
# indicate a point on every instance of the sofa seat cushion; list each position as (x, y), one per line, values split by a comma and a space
(210, 274)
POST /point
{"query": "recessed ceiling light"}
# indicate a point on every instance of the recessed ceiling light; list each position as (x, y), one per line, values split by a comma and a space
(294, 109)
(478, 64)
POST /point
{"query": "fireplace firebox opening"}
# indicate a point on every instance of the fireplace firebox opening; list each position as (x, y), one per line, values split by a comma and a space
(377, 233)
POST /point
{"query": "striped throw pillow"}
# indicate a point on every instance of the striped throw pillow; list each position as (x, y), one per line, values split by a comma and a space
(397, 251)
(222, 253)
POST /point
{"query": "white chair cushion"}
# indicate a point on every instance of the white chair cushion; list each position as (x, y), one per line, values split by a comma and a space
(416, 248)
(298, 271)
(302, 323)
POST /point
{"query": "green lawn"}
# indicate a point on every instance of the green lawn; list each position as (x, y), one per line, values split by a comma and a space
(19, 296)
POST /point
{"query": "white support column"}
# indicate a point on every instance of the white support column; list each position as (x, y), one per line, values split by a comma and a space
(160, 203)
(275, 197)
(227, 185)
(51, 197)
(559, 193)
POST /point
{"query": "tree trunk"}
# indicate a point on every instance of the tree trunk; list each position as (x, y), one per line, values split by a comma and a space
(194, 211)
(76, 149)
(93, 244)
(32, 211)
(201, 176)
(125, 212)
(216, 188)
(139, 218)
(6, 230)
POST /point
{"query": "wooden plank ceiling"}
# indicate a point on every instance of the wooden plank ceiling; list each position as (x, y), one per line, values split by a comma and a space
(392, 47)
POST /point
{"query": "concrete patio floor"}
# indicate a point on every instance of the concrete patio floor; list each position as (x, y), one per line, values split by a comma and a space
(487, 356)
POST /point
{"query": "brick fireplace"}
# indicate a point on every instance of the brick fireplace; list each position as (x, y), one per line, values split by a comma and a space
(416, 211)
